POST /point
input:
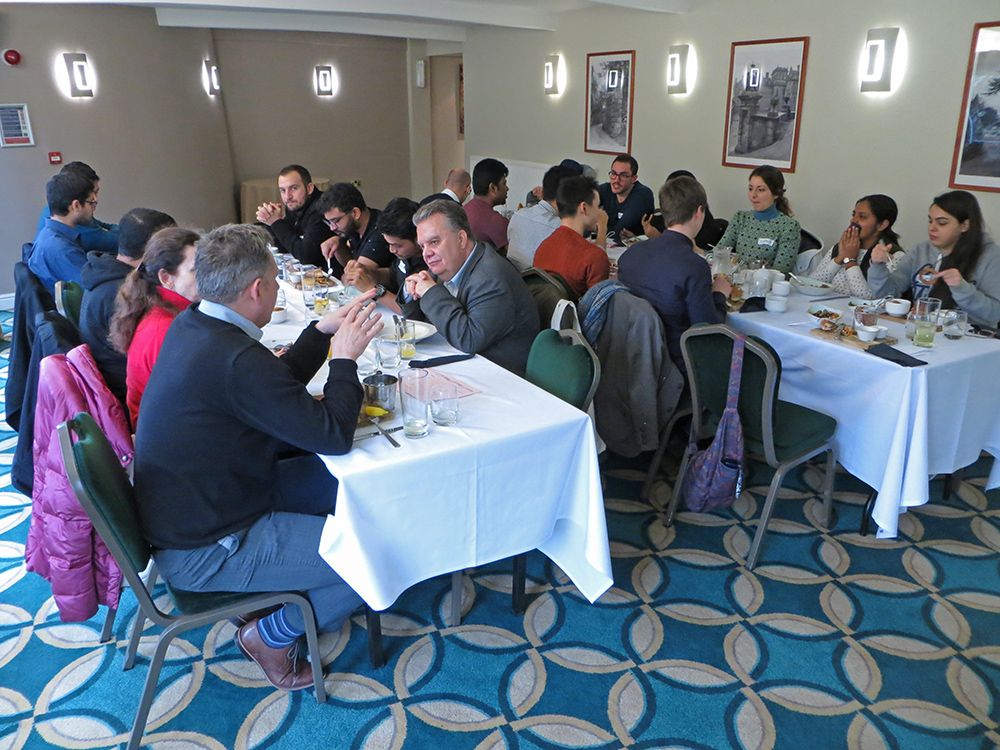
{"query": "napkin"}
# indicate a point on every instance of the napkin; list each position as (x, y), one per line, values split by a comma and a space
(894, 355)
(752, 304)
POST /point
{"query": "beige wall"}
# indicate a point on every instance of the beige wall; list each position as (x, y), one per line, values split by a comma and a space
(447, 143)
(850, 143)
(275, 117)
(151, 133)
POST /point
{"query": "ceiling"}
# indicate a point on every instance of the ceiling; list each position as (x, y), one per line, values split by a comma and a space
(442, 20)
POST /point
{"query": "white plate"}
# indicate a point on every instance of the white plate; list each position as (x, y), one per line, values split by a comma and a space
(421, 331)
(817, 307)
(810, 287)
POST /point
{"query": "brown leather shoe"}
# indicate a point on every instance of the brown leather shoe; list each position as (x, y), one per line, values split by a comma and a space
(279, 665)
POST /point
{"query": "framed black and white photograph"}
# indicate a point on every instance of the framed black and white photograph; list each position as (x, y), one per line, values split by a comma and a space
(611, 78)
(976, 163)
(766, 80)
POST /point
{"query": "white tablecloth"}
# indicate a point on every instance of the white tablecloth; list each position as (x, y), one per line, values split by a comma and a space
(897, 425)
(518, 472)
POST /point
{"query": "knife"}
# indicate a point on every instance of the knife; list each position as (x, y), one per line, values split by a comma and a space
(435, 361)
(375, 434)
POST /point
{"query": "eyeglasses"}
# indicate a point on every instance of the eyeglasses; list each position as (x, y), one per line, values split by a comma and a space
(619, 175)
(91, 203)
(334, 221)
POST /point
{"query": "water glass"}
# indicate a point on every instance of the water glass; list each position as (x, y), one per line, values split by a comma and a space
(387, 352)
(444, 404)
(308, 288)
(408, 338)
(321, 301)
(414, 395)
(954, 323)
(865, 315)
(722, 261)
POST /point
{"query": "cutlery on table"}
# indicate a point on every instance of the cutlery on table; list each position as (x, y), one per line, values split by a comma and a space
(376, 434)
(383, 432)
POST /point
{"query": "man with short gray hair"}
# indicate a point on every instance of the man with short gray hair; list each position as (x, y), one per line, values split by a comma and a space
(475, 298)
(219, 508)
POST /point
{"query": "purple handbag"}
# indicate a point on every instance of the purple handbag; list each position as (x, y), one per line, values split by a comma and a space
(714, 476)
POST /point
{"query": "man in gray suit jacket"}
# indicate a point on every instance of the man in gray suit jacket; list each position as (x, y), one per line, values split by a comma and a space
(475, 298)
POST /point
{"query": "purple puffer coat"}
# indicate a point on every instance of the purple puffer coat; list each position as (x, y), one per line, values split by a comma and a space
(62, 545)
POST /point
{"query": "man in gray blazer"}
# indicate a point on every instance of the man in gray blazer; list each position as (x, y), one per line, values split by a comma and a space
(474, 297)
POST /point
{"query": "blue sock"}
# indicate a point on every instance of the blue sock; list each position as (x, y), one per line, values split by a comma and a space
(276, 632)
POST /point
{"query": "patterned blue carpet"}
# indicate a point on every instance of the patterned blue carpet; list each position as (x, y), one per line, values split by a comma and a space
(834, 641)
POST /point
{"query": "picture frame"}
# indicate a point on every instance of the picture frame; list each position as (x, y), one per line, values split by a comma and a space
(610, 88)
(764, 102)
(976, 162)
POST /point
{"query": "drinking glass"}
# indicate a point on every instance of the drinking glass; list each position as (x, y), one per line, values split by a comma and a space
(865, 315)
(722, 261)
(321, 301)
(925, 320)
(759, 286)
(414, 395)
(954, 323)
(387, 352)
(444, 404)
(408, 337)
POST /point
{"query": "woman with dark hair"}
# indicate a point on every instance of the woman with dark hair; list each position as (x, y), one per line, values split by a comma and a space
(147, 303)
(768, 232)
(959, 264)
(846, 267)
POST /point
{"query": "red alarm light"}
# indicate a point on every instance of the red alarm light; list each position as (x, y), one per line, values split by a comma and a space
(12, 57)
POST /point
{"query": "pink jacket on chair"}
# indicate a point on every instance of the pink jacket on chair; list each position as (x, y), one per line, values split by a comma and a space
(62, 545)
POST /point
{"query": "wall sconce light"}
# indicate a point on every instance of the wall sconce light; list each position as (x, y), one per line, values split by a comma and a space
(677, 68)
(210, 78)
(877, 60)
(327, 83)
(79, 74)
(421, 75)
(551, 79)
(753, 77)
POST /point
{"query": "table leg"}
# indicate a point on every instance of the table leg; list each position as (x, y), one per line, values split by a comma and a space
(375, 652)
(866, 512)
(952, 482)
(456, 598)
(519, 599)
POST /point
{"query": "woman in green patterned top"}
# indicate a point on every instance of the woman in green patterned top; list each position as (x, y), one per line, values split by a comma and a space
(768, 232)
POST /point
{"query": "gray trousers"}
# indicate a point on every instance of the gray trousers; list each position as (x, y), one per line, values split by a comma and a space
(280, 552)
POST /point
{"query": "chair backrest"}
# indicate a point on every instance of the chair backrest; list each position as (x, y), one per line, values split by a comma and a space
(546, 289)
(562, 363)
(565, 317)
(69, 299)
(101, 485)
(805, 261)
(809, 241)
(708, 352)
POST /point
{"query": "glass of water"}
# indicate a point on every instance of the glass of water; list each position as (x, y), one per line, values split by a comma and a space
(954, 323)
(444, 404)
(414, 395)
(387, 353)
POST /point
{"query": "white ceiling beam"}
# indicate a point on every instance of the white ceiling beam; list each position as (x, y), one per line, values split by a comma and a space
(217, 18)
(655, 6)
(527, 16)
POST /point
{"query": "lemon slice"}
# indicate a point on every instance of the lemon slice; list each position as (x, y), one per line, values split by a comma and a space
(375, 411)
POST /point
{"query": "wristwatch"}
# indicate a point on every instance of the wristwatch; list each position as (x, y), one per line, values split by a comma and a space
(849, 260)
(379, 290)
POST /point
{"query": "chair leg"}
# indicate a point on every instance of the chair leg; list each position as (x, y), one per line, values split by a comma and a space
(376, 654)
(519, 598)
(315, 661)
(654, 468)
(457, 578)
(675, 497)
(831, 473)
(149, 691)
(139, 624)
(952, 482)
(109, 625)
(866, 512)
(765, 516)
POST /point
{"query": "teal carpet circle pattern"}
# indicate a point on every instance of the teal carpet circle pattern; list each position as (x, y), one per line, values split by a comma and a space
(834, 641)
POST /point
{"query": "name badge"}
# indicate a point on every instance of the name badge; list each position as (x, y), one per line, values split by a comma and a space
(766, 242)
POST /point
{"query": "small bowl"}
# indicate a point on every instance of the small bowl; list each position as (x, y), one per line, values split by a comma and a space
(775, 303)
(866, 333)
(781, 288)
(810, 287)
(882, 331)
(820, 312)
(279, 314)
(897, 307)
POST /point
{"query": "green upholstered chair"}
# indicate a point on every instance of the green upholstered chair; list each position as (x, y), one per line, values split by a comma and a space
(780, 433)
(547, 289)
(69, 299)
(562, 363)
(104, 491)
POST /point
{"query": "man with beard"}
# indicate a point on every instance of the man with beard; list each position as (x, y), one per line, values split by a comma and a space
(356, 238)
(297, 227)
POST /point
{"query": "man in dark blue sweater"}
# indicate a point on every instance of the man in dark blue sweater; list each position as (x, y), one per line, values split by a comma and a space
(219, 409)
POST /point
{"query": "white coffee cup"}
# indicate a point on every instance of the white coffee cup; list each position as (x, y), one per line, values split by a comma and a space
(781, 288)
(897, 307)
(278, 314)
(776, 275)
(775, 303)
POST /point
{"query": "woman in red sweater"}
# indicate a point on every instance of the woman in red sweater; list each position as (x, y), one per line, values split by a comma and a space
(147, 303)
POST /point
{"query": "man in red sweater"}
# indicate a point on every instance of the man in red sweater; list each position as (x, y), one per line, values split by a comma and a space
(580, 263)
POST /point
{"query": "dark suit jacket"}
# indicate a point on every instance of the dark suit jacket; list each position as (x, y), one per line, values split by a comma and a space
(493, 314)
(301, 232)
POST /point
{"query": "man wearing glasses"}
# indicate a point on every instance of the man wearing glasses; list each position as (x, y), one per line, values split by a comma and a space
(56, 254)
(356, 242)
(297, 227)
(625, 199)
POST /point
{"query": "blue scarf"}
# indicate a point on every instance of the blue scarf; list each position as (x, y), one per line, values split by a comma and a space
(771, 213)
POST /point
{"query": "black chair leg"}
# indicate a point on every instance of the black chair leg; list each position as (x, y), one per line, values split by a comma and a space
(376, 654)
(952, 482)
(866, 513)
(519, 598)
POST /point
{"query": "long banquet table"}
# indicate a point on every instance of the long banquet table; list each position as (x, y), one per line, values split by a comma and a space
(518, 472)
(897, 426)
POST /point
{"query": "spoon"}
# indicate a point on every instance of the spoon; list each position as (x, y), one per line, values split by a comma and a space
(381, 429)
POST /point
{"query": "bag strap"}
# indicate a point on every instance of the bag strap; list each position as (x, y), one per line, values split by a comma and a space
(736, 371)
